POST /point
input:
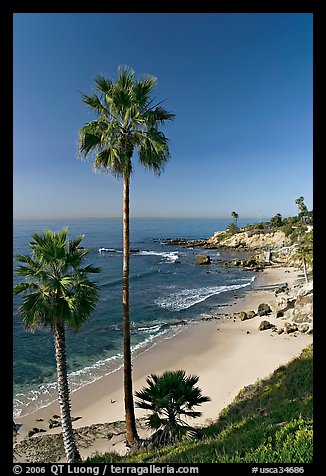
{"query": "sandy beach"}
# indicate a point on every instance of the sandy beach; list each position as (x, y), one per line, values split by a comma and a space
(226, 354)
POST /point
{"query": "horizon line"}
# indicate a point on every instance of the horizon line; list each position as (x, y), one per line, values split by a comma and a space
(258, 218)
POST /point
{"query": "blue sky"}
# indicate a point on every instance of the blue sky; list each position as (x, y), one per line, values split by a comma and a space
(240, 85)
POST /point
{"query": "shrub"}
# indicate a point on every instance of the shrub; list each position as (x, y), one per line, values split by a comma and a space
(168, 398)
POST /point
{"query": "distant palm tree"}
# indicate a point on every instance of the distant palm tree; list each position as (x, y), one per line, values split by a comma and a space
(168, 398)
(302, 209)
(235, 216)
(304, 254)
(57, 293)
(126, 121)
(300, 202)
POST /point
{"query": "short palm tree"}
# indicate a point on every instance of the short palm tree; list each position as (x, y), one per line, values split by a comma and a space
(170, 397)
(127, 120)
(57, 292)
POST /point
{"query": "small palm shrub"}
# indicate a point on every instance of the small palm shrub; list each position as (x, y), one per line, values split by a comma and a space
(170, 397)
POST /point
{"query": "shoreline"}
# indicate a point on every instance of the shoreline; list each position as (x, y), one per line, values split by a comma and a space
(115, 362)
(219, 351)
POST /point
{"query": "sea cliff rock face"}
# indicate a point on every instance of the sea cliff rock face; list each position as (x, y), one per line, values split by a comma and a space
(248, 241)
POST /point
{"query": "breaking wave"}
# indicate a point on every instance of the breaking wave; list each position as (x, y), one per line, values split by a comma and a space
(189, 297)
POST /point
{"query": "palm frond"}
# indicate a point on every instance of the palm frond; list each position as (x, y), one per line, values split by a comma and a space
(21, 288)
(142, 89)
(125, 77)
(31, 270)
(89, 141)
(58, 289)
(35, 309)
(94, 103)
(158, 116)
(112, 161)
(104, 85)
(90, 269)
(153, 150)
(122, 100)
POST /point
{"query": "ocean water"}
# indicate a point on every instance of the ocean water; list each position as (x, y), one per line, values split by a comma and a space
(167, 291)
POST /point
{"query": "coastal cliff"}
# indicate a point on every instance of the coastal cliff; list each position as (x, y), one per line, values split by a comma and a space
(248, 240)
(244, 240)
(264, 243)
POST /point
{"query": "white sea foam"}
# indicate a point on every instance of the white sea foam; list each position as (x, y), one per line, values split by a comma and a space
(47, 393)
(189, 297)
(149, 329)
(169, 257)
(108, 250)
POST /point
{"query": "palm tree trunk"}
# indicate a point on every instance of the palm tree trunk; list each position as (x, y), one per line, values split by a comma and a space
(131, 431)
(72, 453)
(305, 271)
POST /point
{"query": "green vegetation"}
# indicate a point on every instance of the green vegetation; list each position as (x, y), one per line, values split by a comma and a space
(276, 221)
(223, 236)
(232, 229)
(57, 293)
(169, 397)
(127, 121)
(294, 228)
(270, 421)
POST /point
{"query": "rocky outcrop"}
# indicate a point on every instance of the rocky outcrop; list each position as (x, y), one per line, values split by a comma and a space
(303, 309)
(290, 327)
(264, 309)
(282, 303)
(265, 325)
(35, 430)
(247, 241)
(243, 315)
(254, 263)
(54, 422)
(202, 259)
(295, 309)
(50, 449)
(300, 305)
(185, 242)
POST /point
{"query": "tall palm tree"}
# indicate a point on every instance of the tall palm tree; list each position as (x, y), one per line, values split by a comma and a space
(169, 397)
(127, 120)
(57, 293)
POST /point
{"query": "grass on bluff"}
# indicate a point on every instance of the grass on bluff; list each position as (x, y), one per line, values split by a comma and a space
(268, 422)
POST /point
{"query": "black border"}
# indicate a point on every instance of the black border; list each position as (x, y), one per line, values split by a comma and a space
(8, 9)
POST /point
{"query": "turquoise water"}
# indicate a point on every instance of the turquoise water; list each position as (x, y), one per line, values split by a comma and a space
(166, 290)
